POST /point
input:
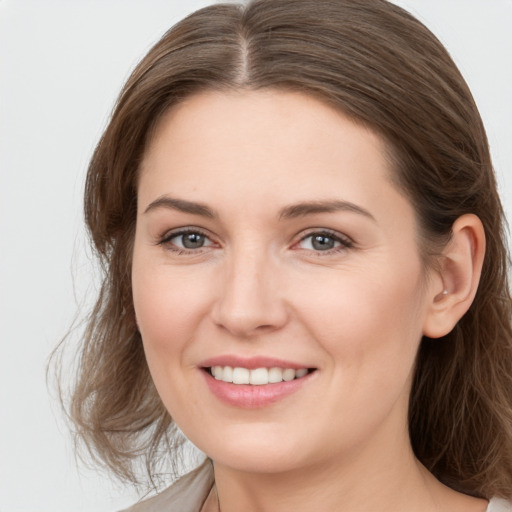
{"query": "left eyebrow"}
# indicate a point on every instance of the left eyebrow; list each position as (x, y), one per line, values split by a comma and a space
(313, 207)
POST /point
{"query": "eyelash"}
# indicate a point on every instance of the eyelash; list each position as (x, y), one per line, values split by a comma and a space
(167, 237)
(343, 241)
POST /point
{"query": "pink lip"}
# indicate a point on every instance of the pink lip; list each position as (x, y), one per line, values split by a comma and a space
(250, 362)
(248, 396)
(251, 397)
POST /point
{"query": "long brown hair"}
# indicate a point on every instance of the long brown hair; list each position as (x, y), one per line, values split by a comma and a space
(379, 65)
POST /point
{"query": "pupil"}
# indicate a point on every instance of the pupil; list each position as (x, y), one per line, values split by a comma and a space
(323, 243)
(193, 240)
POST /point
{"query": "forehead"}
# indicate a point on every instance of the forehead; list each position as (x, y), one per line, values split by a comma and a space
(282, 136)
(266, 115)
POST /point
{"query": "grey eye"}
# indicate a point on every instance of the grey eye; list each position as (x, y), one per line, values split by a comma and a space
(186, 240)
(322, 242)
(191, 240)
(319, 242)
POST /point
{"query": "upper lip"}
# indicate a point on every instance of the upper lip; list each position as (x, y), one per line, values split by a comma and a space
(251, 363)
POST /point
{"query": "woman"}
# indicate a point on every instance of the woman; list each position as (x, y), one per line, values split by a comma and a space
(305, 269)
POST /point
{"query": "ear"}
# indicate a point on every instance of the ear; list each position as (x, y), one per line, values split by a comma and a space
(455, 283)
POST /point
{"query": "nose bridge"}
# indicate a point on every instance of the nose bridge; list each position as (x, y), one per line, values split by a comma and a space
(249, 299)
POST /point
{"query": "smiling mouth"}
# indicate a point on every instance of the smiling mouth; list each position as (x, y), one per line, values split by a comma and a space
(256, 376)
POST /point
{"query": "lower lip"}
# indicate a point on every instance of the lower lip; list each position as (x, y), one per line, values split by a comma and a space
(248, 396)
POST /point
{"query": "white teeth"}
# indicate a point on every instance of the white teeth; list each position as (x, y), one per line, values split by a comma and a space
(227, 375)
(241, 376)
(288, 374)
(275, 375)
(258, 376)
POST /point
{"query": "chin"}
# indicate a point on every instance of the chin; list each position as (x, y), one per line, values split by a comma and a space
(254, 453)
(256, 461)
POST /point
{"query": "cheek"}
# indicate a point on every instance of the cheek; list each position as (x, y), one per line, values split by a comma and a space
(169, 305)
(370, 319)
(370, 328)
(165, 310)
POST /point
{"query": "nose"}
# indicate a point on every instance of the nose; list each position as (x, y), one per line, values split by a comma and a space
(250, 297)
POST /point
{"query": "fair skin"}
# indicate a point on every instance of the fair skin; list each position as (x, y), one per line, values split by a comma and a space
(268, 227)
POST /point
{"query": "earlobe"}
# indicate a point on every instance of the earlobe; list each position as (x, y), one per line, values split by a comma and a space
(460, 269)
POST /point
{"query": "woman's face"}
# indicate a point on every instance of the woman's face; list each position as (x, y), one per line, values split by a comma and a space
(271, 243)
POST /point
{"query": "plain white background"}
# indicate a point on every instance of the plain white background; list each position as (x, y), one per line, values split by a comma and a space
(62, 64)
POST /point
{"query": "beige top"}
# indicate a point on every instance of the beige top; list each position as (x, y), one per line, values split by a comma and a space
(195, 493)
(188, 494)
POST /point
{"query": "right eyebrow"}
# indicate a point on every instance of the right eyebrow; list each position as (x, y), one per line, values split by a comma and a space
(181, 205)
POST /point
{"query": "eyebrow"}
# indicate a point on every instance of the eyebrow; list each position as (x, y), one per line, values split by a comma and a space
(330, 206)
(292, 211)
(181, 205)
